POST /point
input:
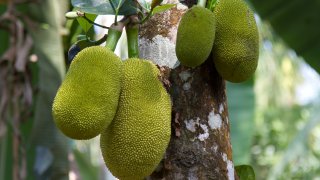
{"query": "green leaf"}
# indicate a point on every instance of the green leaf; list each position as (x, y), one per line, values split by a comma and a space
(84, 23)
(297, 23)
(162, 8)
(126, 7)
(245, 172)
(74, 31)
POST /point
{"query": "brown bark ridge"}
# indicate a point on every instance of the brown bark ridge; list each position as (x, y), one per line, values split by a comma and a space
(200, 145)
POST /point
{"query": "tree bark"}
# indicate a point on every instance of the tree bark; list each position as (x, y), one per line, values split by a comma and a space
(200, 146)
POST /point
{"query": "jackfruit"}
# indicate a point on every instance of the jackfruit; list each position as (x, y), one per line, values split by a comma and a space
(236, 46)
(195, 36)
(87, 99)
(135, 142)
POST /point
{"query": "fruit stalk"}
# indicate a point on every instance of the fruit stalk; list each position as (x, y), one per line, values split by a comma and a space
(132, 37)
(115, 32)
(113, 38)
(132, 30)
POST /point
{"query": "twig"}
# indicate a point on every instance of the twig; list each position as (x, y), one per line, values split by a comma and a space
(81, 14)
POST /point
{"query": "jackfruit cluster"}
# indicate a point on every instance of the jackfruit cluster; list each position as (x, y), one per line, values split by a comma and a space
(87, 99)
(236, 47)
(124, 101)
(229, 33)
(195, 36)
(135, 142)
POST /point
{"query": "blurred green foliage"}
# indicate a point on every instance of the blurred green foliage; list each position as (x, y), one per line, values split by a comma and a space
(285, 132)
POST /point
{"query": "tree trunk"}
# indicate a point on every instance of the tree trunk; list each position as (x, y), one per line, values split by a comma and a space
(200, 145)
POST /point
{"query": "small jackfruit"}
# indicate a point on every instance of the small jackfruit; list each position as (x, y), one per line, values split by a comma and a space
(236, 46)
(87, 99)
(135, 142)
(195, 36)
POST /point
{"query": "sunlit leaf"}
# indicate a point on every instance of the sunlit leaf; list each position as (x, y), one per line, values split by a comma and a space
(126, 7)
(84, 23)
(162, 8)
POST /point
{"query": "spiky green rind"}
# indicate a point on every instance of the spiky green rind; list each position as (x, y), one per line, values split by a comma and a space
(195, 37)
(136, 140)
(236, 46)
(87, 100)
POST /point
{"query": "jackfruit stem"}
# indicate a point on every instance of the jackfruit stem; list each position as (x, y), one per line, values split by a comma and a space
(113, 38)
(132, 37)
(202, 3)
(115, 32)
(132, 30)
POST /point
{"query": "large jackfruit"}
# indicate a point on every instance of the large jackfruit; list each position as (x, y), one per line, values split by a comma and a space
(236, 46)
(195, 36)
(135, 142)
(87, 100)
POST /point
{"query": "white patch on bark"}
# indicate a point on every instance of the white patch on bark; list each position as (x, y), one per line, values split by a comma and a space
(186, 86)
(181, 6)
(230, 166)
(184, 75)
(192, 175)
(214, 148)
(159, 50)
(230, 169)
(221, 109)
(214, 120)
(224, 157)
(191, 124)
(204, 135)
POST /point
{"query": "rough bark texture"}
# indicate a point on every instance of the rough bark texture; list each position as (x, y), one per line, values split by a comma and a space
(200, 144)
